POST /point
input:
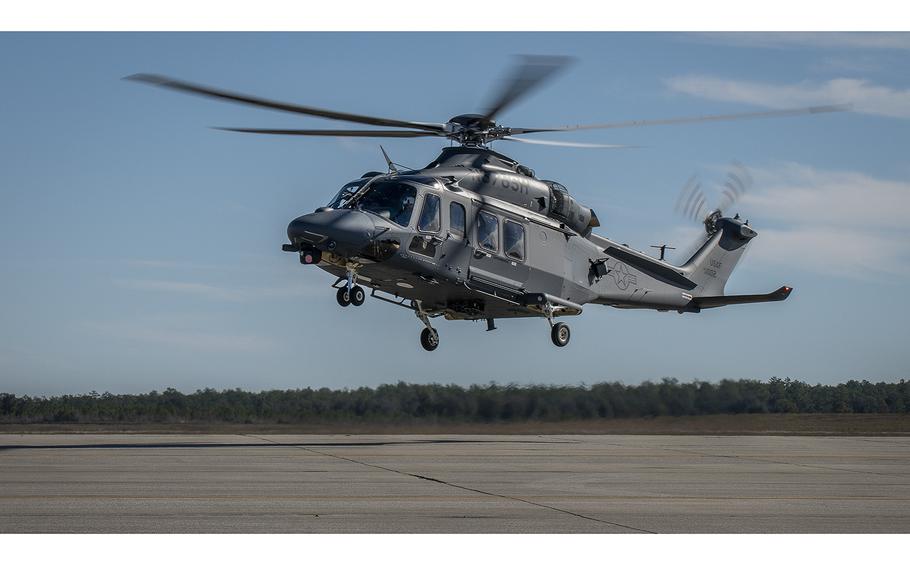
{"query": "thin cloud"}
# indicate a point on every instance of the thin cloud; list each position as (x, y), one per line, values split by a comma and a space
(819, 40)
(865, 97)
(851, 253)
(796, 192)
(833, 222)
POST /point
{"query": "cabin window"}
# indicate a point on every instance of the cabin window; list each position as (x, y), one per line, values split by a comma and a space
(488, 231)
(513, 240)
(456, 219)
(430, 215)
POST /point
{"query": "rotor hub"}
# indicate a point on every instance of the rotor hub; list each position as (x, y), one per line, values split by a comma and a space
(474, 129)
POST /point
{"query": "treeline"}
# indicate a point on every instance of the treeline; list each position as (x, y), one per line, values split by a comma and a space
(452, 403)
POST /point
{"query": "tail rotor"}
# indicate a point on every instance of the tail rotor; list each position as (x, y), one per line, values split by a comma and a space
(692, 201)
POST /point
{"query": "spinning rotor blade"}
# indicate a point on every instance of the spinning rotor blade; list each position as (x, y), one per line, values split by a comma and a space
(356, 133)
(192, 88)
(737, 183)
(533, 71)
(565, 144)
(691, 200)
(693, 119)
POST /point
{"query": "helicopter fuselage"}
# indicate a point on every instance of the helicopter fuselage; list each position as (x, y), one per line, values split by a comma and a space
(474, 236)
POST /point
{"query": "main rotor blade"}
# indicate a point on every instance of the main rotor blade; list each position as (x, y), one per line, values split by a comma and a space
(357, 133)
(193, 88)
(529, 74)
(564, 144)
(694, 119)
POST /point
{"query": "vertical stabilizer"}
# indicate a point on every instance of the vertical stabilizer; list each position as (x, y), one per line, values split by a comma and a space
(712, 264)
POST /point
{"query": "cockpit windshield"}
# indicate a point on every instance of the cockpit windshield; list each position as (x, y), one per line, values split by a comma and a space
(347, 192)
(393, 200)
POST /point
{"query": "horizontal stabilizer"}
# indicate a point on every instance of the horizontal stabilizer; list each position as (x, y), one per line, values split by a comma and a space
(717, 301)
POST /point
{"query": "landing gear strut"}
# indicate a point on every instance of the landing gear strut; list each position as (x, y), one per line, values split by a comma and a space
(559, 332)
(429, 337)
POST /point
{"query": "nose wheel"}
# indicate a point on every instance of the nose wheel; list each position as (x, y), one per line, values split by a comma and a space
(355, 296)
(343, 297)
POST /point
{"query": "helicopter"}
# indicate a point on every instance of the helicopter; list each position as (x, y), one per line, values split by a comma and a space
(475, 235)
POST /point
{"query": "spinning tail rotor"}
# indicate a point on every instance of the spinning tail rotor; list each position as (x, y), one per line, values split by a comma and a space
(708, 207)
(692, 203)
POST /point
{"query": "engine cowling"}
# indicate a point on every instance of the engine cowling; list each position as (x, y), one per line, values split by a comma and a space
(567, 209)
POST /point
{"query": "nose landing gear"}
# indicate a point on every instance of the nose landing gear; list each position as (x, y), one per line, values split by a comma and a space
(350, 293)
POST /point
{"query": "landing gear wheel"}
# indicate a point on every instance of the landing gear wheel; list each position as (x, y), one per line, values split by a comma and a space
(560, 334)
(343, 297)
(358, 296)
(429, 339)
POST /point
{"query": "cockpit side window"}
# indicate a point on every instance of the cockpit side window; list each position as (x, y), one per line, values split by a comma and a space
(488, 231)
(390, 199)
(430, 221)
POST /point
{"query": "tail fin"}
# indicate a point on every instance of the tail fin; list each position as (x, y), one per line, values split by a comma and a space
(713, 262)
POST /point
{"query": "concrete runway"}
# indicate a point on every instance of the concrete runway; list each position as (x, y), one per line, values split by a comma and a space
(359, 483)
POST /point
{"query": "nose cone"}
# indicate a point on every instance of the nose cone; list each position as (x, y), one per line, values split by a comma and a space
(344, 231)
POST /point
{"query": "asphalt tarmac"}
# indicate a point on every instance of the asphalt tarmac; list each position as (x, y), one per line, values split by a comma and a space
(487, 484)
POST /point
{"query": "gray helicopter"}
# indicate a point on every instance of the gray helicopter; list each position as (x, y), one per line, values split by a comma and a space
(475, 235)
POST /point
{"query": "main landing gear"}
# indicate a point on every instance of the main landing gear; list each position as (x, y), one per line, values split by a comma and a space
(429, 337)
(559, 332)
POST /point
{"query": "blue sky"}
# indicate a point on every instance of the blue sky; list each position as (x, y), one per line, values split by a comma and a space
(141, 250)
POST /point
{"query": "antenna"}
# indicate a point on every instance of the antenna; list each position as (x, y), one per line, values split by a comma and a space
(388, 160)
(663, 249)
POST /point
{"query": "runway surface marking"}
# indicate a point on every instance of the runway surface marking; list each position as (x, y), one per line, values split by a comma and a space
(463, 487)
